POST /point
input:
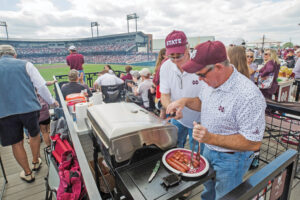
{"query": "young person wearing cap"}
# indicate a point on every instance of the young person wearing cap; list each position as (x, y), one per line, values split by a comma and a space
(75, 60)
(176, 83)
(20, 108)
(232, 117)
(143, 87)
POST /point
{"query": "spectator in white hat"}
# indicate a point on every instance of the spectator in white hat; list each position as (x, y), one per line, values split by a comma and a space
(143, 87)
(75, 60)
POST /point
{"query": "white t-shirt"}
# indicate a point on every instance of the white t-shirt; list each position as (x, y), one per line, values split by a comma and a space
(39, 83)
(180, 85)
(143, 89)
(108, 79)
(237, 106)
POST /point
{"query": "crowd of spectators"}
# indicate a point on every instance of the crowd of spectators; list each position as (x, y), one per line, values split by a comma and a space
(83, 48)
(114, 58)
(102, 52)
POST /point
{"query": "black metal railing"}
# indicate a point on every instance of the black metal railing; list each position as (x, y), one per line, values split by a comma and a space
(274, 181)
(282, 133)
(90, 77)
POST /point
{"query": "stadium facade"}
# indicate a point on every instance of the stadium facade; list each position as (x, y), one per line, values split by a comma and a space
(127, 48)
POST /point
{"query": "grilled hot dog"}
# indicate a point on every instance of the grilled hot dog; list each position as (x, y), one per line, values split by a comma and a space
(185, 167)
(175, 165)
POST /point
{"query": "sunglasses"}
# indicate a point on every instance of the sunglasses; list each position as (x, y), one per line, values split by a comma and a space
(266, 54)
(204, 74)
(176, 57)
(249, 56)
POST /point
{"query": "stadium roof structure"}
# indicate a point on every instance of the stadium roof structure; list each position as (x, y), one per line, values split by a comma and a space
(74, 39)
(267, 42)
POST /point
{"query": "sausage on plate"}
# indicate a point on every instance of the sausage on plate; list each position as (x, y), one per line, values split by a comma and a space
(175, 165)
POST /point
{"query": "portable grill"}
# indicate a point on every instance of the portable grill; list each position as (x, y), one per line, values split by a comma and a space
(132, 140)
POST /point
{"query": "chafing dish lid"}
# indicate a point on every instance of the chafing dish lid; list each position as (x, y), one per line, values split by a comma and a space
(118, 119)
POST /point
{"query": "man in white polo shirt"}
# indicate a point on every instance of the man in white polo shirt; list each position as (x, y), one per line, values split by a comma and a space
(105, 78)
(232, 117)
(175, 84)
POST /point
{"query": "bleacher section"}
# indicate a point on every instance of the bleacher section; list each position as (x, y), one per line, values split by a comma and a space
(117, 49)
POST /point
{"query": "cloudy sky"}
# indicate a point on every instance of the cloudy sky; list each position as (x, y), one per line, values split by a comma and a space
(224, 19)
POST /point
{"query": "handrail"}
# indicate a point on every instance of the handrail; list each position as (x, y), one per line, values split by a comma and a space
(286, 107)
(88, 178)
(257, 182)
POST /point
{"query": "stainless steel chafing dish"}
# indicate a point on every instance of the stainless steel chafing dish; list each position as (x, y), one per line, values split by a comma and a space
(124, 128)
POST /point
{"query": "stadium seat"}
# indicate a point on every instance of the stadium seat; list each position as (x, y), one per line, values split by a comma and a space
(112, 93)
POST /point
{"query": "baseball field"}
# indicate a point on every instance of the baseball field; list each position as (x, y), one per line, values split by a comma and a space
(50, 70)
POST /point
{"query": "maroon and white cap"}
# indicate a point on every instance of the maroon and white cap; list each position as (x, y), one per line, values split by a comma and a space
(175, 42)
(207, 53)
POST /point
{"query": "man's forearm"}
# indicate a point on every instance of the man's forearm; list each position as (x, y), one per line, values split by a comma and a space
(165, 100)
(234, 142)
(193, 103)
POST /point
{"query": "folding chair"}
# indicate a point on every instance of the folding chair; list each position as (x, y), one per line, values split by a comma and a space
(4, 177)
(52, 178)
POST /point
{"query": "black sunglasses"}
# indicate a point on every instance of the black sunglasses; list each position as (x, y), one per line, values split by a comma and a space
(249, 56)
(204, 74)
(176, 57)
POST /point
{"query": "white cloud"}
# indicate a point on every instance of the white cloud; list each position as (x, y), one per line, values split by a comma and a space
(226, 20)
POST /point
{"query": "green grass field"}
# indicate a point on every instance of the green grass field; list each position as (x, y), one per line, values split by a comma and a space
(50, 70)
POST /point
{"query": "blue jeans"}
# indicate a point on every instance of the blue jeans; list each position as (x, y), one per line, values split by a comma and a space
(182, 134)
(81, 71)
(229, 168)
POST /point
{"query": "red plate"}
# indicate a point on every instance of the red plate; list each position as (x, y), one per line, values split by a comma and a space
(199, 171)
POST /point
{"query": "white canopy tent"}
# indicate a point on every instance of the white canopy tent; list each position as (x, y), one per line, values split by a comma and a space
(267, 43)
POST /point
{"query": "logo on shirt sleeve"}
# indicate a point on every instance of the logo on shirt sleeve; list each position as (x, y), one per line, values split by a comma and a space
(256, 132)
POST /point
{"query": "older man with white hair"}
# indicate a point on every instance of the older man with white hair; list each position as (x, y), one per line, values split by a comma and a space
(20, 107)
(296, 69)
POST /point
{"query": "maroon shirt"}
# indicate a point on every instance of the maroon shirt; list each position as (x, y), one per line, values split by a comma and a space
(270, 67)
(127, 77)
(75, 61)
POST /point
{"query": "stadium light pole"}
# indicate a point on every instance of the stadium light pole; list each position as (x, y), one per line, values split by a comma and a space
(4, 25)
(93, 24)
(132, 16)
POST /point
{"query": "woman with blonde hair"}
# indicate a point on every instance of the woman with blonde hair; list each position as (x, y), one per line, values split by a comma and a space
(252, 67)
(237, 57)
(270, 69)
(160, 58)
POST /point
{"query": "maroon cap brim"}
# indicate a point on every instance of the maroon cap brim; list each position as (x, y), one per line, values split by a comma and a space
(180, 49)
(192, 67)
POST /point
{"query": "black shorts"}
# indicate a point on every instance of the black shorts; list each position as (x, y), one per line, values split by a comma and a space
(11, 127)
(45, 122)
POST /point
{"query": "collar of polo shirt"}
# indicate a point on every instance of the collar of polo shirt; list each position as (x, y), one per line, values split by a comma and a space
(226, 86)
